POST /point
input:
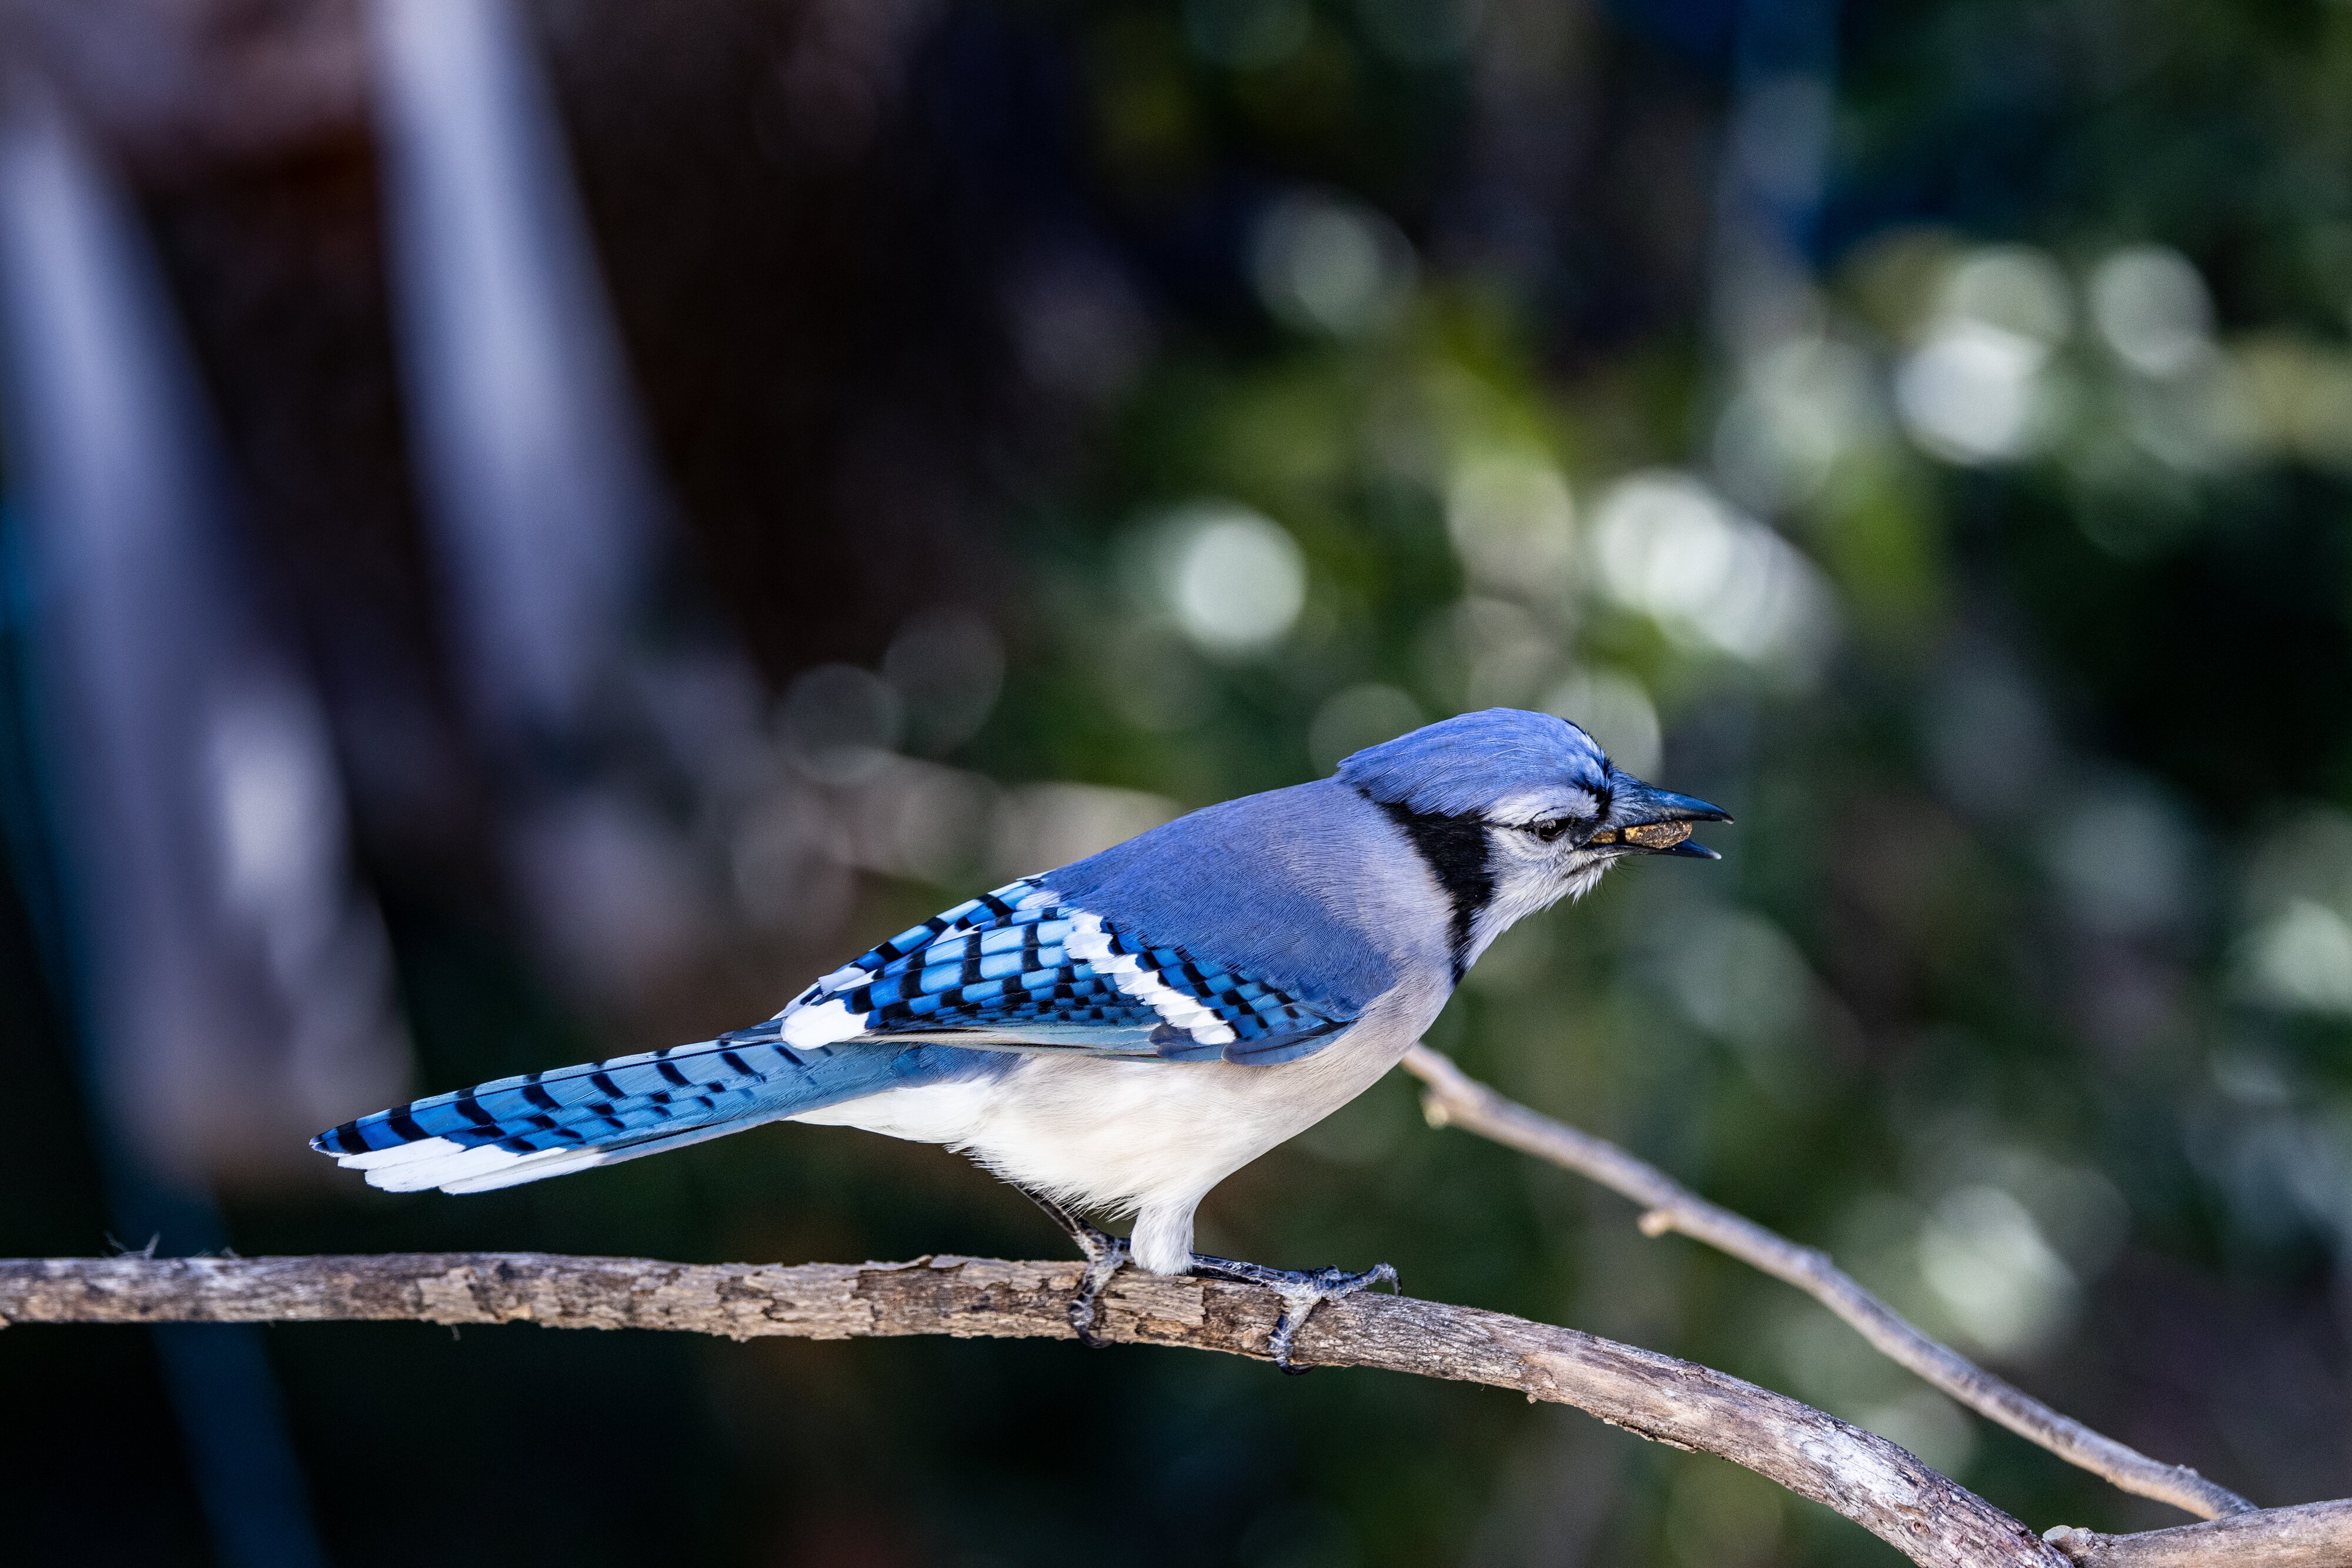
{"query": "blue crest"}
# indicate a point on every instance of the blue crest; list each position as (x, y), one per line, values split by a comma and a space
(1459, 767)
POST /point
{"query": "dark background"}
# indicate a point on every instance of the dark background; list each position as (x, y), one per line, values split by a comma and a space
(2024, 984)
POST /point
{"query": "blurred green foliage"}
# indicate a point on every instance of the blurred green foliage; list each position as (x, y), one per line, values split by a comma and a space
(2003, 591)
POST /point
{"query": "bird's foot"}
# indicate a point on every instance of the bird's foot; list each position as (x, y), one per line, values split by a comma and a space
(1105, 1254)
(1301, 1289)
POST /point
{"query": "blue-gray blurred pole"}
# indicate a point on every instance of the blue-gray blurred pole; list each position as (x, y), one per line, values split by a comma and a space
(542, 496)
(535, 467)
(189, 799)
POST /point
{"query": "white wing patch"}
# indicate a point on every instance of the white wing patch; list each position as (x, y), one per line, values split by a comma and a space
(827, 1022)
(1088, 941)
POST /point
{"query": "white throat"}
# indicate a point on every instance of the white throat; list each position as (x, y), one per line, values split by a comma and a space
(1527, 887)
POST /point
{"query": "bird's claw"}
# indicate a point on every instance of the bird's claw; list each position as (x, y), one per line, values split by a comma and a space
(1301, 1289)
(1105, 1254)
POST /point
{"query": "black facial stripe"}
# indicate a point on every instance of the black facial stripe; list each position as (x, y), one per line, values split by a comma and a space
(1459, 856)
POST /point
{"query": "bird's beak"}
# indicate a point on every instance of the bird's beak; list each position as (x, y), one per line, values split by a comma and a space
(1644, 820)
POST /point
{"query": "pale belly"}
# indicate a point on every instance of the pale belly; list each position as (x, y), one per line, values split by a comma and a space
(1108, 1134)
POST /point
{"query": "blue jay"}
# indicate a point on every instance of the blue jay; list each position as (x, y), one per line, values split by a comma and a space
(1121, 1034)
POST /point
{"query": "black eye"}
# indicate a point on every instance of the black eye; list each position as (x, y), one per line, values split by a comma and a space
(1550, 829)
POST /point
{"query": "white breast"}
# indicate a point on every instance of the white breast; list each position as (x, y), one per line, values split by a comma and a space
(1114, 1135)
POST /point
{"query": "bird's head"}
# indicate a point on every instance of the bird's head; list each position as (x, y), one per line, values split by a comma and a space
(1528, 798)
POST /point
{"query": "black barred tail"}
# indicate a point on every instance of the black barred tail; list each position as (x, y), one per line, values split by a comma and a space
(547, 1124)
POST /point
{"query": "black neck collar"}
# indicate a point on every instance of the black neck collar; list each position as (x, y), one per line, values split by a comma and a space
(1459, 856)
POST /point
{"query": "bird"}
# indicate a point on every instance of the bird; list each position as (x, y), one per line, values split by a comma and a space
(1117, 1035)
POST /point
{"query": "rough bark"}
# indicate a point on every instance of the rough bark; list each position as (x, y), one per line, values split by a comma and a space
(1927, 1518)
(2315, 1535)
(1870, 1480)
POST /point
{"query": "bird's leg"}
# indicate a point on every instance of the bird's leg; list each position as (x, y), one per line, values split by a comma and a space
(1301, 1289)
(1105, 1254)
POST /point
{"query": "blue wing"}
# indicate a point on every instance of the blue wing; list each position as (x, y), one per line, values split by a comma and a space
(1016, 970)
(1021, 969)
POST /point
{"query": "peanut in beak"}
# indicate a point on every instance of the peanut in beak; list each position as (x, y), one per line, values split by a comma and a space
(1645, 835)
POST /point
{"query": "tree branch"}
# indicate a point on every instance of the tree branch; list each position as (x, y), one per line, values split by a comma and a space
(2316, 1535)
(1929, 1519)
(1870, 1480)
(1457, 1100)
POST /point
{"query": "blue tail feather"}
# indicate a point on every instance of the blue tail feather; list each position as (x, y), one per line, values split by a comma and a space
(544, 1123)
